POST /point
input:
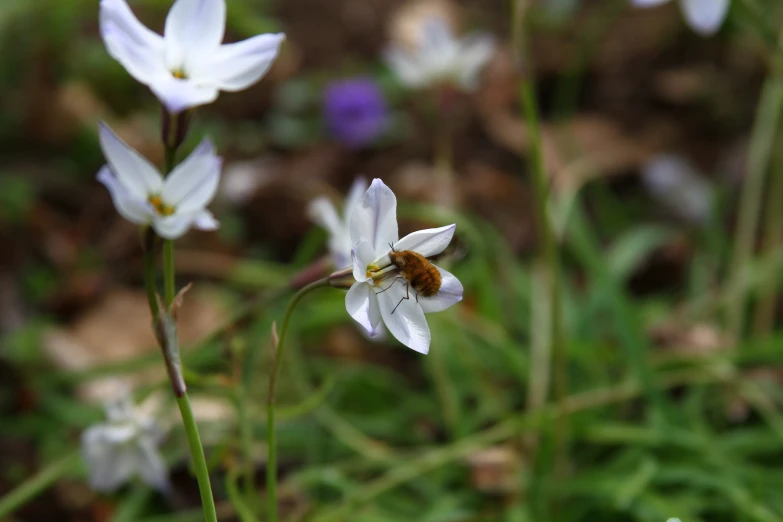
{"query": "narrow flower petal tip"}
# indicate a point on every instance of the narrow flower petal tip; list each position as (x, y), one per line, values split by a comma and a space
(396, 283)
(142, 196)
(188, 66)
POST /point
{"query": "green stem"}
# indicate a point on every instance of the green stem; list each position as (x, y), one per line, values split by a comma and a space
(199, 462)
(169, 288)
(246, 439)
(271, 464)
(764, 129)
(149, 271)
(765, 311)
(36, 484)
(550, 255)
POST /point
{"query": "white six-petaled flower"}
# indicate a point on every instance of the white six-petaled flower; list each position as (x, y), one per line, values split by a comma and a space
(379, 294)
(440, 58)
(124, 446)
(324, 213)
(141, 194)
(188, 66)
(703, 16)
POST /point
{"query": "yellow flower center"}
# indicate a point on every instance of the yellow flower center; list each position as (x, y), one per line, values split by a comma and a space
(371, 269)
(179, 73)
(160, 206)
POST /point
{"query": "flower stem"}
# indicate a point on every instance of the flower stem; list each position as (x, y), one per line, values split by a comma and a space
(199, 462)
(169, 288)
(149, 271)
(762, 138)
(771, 242)
(271, 464)
(550, 256)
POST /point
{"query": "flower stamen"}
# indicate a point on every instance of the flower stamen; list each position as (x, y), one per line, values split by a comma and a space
(162, 208)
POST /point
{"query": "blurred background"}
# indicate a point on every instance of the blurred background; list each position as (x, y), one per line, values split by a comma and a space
(656, 392)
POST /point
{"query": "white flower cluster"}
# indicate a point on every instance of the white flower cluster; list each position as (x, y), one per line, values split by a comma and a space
(186, 67)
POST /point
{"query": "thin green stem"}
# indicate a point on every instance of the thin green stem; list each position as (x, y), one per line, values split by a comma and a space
(35, 485)
(149, 271)
(246, 439)
(764, 130)
(550, 255)
(199, 462)
(271, 464)
(169, 287)
(772, 241)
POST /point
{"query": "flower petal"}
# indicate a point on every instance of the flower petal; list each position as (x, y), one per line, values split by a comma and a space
(194, 182)
(362, 255)
(205, 220)
(476, 50)
(429, 242)
(137, 211)
(375, 218)
(407, 68)
(132, 170)
(137, 48)
(179, 94)
(362, 304)
(450, 293)
(321, 210)
(174, 226)
(239, 65)
(193, 27)
(108, 464)
(355, 193)
(150, 465)
(705, 16)
(403, 316)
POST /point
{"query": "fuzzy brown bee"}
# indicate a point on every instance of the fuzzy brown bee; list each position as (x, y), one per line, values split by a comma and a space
(417, 272)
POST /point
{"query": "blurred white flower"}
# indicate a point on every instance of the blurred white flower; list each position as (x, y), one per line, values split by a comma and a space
(324, 213)
(188, 66)
(385, 292)
(703, 16)
(142, 196)
(124, 447)
(439, 57)
(678, 186)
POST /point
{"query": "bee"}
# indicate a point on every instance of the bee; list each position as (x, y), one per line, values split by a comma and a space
(416, 271)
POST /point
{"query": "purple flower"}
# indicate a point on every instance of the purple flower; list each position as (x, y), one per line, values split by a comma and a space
(355, 111)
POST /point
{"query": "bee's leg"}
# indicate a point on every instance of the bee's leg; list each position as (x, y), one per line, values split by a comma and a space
(391, 285)
(407, 296)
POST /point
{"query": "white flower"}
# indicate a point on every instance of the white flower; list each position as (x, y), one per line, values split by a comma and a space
(440, 58)
(703, 16)
(142, 196)
(323, 212)
(380, 292)
(123, 447)
(678, 186)
(188, 66)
